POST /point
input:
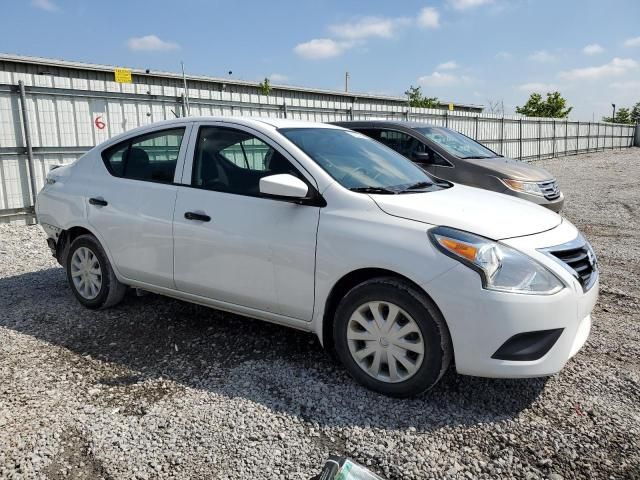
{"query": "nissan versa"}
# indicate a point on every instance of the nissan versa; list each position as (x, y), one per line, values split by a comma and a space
(323, 229)
(453, 156)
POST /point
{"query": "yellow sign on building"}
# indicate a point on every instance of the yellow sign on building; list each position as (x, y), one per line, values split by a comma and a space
(122, 75)
(451, 107)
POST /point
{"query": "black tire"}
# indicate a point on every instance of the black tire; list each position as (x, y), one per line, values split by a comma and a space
(111, 291)
(435, 334)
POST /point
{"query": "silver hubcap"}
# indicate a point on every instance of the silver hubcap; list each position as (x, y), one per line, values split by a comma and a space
(86, 273)
(385, 341)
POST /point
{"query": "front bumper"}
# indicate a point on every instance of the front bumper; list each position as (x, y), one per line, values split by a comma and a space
(482, 321)
(553, 205)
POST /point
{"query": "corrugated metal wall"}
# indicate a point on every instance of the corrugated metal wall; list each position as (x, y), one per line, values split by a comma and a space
(71, 109)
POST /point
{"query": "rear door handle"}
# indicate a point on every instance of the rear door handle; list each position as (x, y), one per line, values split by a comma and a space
(201, 217)
(99, 202)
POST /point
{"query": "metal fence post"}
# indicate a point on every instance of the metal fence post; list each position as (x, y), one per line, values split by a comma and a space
(406, 115)
(589, 137)
(183, 105)
(553, 146)
(539, 137)
(27, 141)
(446, 118)
(578, 138)
(612, 132)
(502, 135)
(476, 134)
(566, 137)
(284, 110)
(520, 137)
(637, 135)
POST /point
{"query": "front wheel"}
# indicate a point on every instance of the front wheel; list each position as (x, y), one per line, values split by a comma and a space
(90, 275)
(391, 337)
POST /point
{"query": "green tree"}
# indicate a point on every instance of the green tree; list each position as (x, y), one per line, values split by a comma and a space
(416, 99)
(554, 106)
(635, 113)
(265, 86)
(623, 115)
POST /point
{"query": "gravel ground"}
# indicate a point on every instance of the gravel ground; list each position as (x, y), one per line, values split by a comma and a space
(158, 388)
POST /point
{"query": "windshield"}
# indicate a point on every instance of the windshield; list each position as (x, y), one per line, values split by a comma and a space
(357, 162)
(455, 143)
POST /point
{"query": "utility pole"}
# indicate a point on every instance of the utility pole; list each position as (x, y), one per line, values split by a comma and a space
(186, 92)
(613, 119)
(346, 81)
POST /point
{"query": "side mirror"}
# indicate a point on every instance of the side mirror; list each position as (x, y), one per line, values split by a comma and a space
(283, 185)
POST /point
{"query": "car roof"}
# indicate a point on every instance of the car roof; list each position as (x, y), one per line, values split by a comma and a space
(259, 123)
(383, 123)
(248, 121)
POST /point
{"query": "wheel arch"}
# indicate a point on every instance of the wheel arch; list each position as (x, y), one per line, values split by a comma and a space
(349, 281)
(70, 233)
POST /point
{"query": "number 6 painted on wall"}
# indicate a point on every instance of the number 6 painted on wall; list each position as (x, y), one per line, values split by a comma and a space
(99, 123)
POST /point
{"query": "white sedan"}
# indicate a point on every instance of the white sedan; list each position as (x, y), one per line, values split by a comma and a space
(322, 229)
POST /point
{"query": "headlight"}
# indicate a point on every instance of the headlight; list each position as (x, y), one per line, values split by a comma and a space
(501, 267)
(531, 188)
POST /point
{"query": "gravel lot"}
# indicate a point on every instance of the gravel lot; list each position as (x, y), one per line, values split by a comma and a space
(158, 388)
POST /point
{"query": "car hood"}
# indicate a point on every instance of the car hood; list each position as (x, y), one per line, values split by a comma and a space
(492, 215)
(509, 168)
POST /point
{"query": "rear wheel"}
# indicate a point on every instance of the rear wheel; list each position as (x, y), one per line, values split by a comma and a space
(391, 337)
(90, 275)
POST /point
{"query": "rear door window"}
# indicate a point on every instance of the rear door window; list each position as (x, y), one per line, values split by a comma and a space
(151, 157)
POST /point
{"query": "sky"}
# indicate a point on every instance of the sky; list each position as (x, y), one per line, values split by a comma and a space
(483, 52)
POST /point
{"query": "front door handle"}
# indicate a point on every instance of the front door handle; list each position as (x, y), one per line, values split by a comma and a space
(101, 202)
(201, 217)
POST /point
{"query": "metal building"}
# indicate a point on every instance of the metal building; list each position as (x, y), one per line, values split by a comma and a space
(70, 107)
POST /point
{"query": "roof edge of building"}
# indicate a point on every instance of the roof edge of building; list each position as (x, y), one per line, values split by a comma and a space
(50, 62)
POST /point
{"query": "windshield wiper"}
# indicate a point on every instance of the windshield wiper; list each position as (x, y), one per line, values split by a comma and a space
(475, 157)
(416, 186)
(373, 190)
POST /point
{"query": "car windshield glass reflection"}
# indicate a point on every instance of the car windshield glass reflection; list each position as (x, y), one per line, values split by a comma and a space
(358, 162)
(455, 143)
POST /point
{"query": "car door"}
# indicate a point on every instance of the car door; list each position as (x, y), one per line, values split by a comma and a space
(132, 200)
(233, 244)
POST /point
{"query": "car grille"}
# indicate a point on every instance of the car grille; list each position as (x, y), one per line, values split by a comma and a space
(550, 189)
(580, 261)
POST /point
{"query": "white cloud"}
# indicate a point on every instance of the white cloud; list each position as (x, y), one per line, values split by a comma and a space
(47, 5)
(593, 49)
(151, 43)
(504, 56)
(542, 56)
(629, 85)
(632, 42)
(616, 67)
(429, 18)
(467, 4)
(369, 27)
(537, 87)
(278, 77)
(439, 79)
(450, 65)
(320, 48)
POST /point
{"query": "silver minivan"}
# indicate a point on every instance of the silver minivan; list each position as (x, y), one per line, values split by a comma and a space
(452, 156)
